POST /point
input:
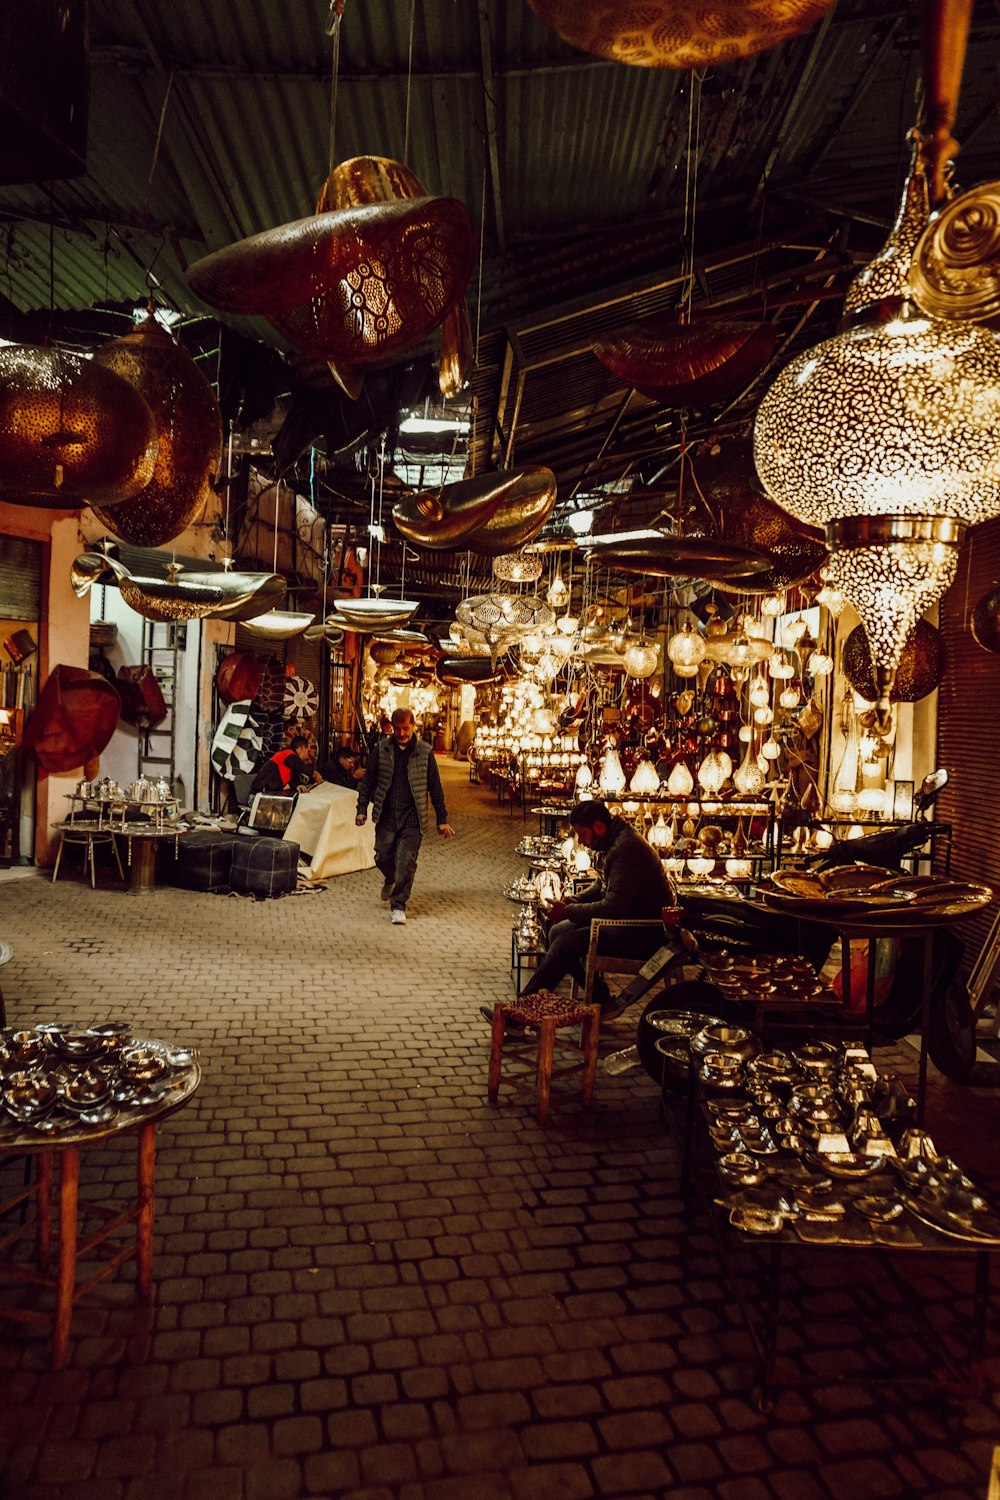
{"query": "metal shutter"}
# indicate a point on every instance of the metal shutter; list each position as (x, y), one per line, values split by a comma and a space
(969, 731)
(20, 579)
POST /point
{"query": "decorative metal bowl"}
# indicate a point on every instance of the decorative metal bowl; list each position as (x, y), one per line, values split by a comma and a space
(718, 1037)
(78, 1046)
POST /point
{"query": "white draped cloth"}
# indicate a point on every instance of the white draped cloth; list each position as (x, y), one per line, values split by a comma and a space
(323, 826)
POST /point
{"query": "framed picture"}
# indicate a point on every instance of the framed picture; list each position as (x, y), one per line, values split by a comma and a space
(902, 800)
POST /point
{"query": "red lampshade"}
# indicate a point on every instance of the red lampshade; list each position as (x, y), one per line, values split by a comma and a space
(76, 715)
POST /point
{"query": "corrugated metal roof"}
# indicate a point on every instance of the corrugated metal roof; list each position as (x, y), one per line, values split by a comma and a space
(591, 163)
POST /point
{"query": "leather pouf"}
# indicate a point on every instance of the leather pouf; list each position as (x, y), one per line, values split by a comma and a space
(238, 677)
(264, 867)
(205, 861)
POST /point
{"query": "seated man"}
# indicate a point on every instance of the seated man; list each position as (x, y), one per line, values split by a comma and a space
(634, 888)
(343, 768)
(287, 771)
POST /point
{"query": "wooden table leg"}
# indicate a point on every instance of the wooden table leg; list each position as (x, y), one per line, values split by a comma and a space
(69, 1187)
(143, 865)
(144, 1222)
(43, 1211)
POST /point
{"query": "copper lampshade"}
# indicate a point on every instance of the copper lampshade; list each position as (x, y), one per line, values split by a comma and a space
(70, 431)
(986, 621)
(691, 364)
(76, 715)
(238, 677)
(375, 270)
(675, 34)
(189, 426)
(743, 514)
(920, 669)
(491, 514)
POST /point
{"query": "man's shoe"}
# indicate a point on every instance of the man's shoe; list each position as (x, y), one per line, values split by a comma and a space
(600, 994)
(613, 1007)
(387, 890)
(398, 916)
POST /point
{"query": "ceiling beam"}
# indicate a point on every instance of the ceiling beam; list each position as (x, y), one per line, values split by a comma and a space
(489, 101)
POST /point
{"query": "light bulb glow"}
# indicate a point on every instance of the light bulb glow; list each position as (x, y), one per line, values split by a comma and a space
(680, 782)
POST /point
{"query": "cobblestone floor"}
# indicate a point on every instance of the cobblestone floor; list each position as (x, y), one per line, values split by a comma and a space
(372, 1285)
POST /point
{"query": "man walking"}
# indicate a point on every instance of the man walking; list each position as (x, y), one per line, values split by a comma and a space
(401, 774)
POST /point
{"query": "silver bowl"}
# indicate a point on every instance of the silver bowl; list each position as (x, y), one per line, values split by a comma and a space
(719, 1038)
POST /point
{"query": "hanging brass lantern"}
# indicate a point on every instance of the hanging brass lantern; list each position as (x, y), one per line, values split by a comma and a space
(70, 431)
(376, 269)
(677, 33)
(189, 426)
(688, 365)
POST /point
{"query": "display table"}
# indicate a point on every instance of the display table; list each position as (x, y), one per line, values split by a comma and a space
(777, 1193)
(59, 1137)
(323, 826)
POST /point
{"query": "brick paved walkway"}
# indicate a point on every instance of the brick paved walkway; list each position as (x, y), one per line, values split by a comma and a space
(372, 1285)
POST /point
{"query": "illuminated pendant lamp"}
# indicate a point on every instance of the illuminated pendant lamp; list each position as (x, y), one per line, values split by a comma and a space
(611, 780)
(373, 272)
(748, 778)
(885, 435)
(686, 651)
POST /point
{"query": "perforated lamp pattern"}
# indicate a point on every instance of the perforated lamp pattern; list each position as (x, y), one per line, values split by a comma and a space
(891, 586)
(894, 420)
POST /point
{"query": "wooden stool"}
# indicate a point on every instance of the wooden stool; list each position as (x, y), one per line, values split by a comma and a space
(546, 1013)
(88, 837)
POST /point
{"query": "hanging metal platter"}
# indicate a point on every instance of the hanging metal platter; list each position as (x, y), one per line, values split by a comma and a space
(681, 557)
(278, 624)
(491, 514)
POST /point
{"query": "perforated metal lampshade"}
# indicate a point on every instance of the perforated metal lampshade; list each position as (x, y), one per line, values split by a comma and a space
(677, 33)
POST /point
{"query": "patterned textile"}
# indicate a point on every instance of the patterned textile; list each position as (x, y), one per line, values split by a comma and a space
(237, 744)
(270, 696)
(546, 1005)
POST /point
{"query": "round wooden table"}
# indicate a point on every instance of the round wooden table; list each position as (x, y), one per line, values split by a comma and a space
(65, 1143)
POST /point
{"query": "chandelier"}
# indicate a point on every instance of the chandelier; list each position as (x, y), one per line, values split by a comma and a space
(885, 435)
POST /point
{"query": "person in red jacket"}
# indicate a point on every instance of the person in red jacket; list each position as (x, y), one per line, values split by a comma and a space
(287, 771)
